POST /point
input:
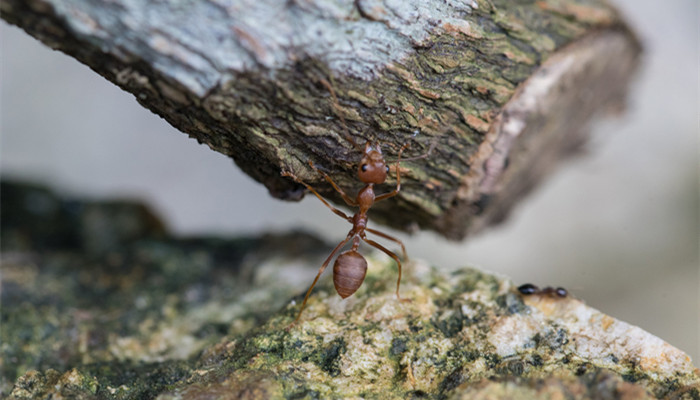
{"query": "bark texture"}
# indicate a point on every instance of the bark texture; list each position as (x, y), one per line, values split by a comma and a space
(502, 89)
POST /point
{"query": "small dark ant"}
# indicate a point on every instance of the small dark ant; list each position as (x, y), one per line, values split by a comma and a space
(529, 289)
(350, 267)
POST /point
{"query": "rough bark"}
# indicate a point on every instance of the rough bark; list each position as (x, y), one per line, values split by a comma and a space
(503, 89)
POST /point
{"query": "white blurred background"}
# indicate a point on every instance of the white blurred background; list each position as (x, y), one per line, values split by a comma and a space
(618, 226)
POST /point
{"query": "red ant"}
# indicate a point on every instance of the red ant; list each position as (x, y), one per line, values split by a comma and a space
(350, 267)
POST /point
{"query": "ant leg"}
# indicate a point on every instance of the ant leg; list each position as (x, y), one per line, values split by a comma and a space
(433, 144)
(320, 271)
(398, 179)
(349, 200)
(335, 210)
(393, 239)
(392, 255)
(337, 108)
(398, 170)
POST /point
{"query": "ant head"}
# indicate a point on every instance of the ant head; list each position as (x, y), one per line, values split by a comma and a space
(372, 168)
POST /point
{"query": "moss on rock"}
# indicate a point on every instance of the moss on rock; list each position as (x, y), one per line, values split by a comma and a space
(167, 318)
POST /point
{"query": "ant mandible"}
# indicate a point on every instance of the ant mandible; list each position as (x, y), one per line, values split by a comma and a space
(350, 267)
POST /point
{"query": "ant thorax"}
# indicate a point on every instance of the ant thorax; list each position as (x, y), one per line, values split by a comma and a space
(365, 198)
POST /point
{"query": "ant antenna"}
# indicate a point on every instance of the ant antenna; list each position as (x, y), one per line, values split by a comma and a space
(433, 144)
(336, 106)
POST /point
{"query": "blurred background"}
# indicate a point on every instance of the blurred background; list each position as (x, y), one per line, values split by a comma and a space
(618, 226)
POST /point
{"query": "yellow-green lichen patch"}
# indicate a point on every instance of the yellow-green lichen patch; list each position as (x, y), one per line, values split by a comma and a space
(475, 328)
(580, 11)
(367, 99)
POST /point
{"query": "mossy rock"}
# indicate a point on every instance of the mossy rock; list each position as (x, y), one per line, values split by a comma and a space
(209, 318)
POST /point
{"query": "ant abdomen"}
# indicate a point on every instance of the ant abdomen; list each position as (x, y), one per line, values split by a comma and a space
(528, 288)
(349, 272)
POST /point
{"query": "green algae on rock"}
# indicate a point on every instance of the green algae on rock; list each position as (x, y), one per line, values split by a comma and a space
(130, 303)
(167, 318)
(461, 333)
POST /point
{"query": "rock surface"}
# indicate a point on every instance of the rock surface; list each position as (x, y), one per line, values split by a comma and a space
(100, 302)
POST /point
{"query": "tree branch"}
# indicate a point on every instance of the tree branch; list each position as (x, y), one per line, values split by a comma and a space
(504, 89)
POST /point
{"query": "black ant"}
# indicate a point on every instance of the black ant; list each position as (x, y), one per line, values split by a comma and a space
(350, 267)
(529, 289)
